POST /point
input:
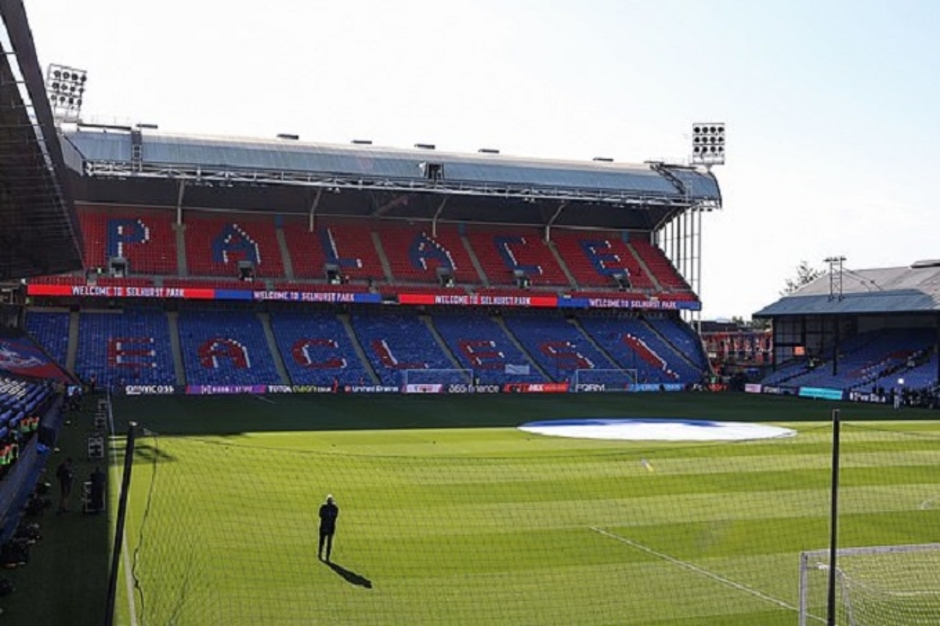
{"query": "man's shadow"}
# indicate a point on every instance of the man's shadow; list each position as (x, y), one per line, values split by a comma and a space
(350, 577)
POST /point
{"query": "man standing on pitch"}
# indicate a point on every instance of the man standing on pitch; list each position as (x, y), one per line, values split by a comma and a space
(328, 514)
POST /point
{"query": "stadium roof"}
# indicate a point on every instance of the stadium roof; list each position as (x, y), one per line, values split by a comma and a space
(39, 231)
(914, 289)
(387, 175)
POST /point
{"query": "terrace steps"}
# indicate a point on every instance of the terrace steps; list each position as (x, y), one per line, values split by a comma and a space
(366, 363)
(610, 359)
(484, 280)
(173, 320)
(429, 322)
(73, 342)
(285, 251)
(272, 346)
(515, 341)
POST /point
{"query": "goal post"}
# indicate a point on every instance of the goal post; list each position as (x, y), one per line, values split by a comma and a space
(898, 585)
(436, 377)
(594, 380)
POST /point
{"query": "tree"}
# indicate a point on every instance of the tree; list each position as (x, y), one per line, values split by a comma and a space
(804, 276)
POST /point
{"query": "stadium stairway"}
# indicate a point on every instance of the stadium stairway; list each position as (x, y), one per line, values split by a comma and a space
(73, 342)
(561, 263)
(440, 341)
(285, 251)
(383, 258)
(366, 363)
(657, 330)
(577, 324)
(173, 320)
(515, 341)
(646, 268)
(180, 230)
(473, 259)
(272, 346)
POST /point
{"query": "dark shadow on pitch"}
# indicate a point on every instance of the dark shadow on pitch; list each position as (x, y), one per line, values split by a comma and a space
(351, 577)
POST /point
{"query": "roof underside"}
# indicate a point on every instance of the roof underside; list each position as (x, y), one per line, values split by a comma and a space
(873, 291)
(38, 226)
(384, 182)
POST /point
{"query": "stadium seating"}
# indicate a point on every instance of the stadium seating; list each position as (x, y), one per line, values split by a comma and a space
(214, 246)
(225, 348)
(414, 254)
(394, 342)
(660, 266)
(873, 358)
(593, 259)
(348, 245)
(316, 349)
(51, 331)
(682, 338)
(132, 347)
(482, 346)
(637, 346)
(502, 251)
(556, 344)
(145, 238)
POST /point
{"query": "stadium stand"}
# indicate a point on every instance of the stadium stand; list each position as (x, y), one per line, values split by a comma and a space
(556, 344)
(594, 258)
(682, 338)
(50, 329)
(503, 251)
(876, 358)
(394, 342)
(316, 349)
(214, 246)
(660, 266)
(635, 345)
(129, 347)
(225, 348)
(480, 344)
(414, 255)
(145, 238)
(345, 244)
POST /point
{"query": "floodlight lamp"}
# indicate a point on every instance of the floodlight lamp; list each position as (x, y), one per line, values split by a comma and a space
(708, 141)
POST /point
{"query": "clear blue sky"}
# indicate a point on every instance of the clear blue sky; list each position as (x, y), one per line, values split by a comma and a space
(832, 107)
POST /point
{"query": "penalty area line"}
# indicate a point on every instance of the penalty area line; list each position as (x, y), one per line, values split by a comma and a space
(263, 399)
(695, 569)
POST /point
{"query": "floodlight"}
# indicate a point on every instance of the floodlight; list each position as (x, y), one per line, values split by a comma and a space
(708, 143)
(66, 88)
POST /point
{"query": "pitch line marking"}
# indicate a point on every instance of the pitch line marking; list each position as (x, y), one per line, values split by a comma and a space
(263, 399)
(695, 568)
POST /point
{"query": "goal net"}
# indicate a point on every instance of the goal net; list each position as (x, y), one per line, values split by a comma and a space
(588, 380)
(417, 380)
(897, 585)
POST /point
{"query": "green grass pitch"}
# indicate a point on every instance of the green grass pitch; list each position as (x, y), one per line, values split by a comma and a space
(450, 515)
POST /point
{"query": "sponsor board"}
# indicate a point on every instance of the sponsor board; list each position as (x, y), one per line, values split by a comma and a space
(371, 389)
(777, 391)
(300, 389)
(461, 388)
(821, 393)
(424, 388)
(212, 390)
(149, 390)
(535, 387)
(657, 387)
(753, 388)
(857, 396)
